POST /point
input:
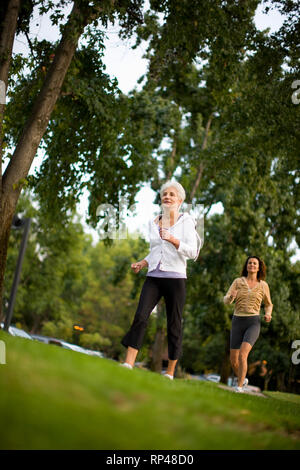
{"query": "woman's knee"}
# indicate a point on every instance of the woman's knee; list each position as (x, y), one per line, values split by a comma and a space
(234, 362)
(243, 355)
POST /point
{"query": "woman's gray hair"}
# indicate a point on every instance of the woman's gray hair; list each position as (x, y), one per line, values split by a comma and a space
(174, 184)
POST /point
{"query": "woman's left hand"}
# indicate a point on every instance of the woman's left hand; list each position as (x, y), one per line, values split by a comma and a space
(165, 234)
(268, 318)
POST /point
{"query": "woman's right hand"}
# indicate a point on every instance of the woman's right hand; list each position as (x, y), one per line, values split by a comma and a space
(233, 294)
(136, 267)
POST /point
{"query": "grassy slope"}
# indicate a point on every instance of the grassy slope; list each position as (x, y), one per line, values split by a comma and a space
(51, 398)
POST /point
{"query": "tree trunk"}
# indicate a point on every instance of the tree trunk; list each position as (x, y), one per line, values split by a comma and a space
(6, 217)
(35, 127)
(36, 325)
(172, 162)
(280, 382)
(291, 379)
(7, 34)
(201, 166)
(267, 379)
(158, 347)
(226, 365)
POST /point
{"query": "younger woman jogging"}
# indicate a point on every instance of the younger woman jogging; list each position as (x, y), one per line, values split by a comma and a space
(248, 292)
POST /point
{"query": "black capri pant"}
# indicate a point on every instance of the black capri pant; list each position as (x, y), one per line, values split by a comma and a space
(174, 292)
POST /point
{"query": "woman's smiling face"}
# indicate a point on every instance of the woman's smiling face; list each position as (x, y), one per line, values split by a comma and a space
(253, 265)
(170, 198)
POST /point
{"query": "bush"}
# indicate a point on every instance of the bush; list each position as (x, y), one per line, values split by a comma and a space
(94, 341)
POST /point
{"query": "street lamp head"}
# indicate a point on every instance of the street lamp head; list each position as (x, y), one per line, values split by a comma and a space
(78, 328)
(17, 223)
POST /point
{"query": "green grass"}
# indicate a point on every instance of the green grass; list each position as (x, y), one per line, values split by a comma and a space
(285, 396)
(51, 398)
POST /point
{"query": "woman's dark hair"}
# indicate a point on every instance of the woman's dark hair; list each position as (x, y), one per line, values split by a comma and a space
(262, 268)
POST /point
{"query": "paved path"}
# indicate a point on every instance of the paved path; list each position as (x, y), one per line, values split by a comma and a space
(248, 392)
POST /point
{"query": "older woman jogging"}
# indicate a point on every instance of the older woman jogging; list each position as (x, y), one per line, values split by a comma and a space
(173, 240)
(248, 292)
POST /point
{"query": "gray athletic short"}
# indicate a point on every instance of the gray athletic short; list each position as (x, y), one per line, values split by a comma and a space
(244, 329)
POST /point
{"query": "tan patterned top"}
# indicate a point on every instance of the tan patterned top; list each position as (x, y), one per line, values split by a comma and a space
(248, 301)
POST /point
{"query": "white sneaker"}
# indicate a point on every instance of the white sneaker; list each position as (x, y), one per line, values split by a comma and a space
(169, 376)
(246, 381)
(125, 364)
(238, 389)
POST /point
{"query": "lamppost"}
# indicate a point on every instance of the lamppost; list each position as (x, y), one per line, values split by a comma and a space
(17, 224)
(77, 329)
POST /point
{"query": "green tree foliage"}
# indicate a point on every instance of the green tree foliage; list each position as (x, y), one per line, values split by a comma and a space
(216, 111)
(67, 279)
(237, 144)
(110, 299)
(39, 79)
(52, 270)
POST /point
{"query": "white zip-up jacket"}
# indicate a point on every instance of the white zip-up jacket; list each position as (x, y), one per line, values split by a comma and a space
(170, 258)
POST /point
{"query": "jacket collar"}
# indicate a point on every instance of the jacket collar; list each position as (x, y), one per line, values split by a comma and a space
(183, 216)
